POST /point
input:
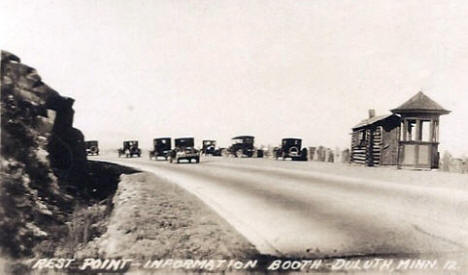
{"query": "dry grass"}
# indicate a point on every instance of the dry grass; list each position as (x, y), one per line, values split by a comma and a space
(86, 224)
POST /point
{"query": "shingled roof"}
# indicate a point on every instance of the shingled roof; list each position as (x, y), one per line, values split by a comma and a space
(373, 120)
(420, 103)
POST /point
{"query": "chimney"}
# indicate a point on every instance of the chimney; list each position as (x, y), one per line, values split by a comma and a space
(371, 113)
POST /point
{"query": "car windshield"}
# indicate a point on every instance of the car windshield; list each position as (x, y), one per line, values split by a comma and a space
(184, 142)
(248, 140)
(161, 141)
(131, 143)
(242, 140)
(235, 141)
(291, 142)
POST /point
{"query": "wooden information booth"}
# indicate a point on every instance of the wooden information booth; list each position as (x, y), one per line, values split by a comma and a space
(419, 135)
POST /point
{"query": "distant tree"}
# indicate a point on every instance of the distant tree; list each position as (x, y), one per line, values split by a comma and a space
(446, 160)
(345, 156)
(465, 164)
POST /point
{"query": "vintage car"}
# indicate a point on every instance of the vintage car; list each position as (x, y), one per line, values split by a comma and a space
(184, 150)
(218, 152)
(130, 149)
(161, 148)
(243, 146)
(92, 147)
(291, 149)
(209, 148)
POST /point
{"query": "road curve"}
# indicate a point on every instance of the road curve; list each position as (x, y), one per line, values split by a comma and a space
(300, 213)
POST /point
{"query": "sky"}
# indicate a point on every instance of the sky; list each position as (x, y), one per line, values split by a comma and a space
(218, 69)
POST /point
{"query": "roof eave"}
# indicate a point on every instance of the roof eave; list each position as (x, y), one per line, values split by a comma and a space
(424, 111)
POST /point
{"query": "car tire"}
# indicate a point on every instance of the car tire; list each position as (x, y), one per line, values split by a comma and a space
(304, 154)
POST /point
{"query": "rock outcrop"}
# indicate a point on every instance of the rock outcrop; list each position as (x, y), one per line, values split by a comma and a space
(43, 158)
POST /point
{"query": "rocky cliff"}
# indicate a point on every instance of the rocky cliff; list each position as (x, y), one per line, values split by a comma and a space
(43, 159)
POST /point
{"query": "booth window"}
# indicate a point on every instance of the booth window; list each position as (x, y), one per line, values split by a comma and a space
(425, 131)
(411, 130)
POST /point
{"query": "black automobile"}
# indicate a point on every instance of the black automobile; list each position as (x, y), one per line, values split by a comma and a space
(130, 149)
(161, 148)
(92, 148)
(291, 148)
(208, 147)
(242, 146)
(218, 152)
(184, 150)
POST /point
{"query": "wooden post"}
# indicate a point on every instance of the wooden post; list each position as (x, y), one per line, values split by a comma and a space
(405, 130)
(370, 147)
(418, 130)
(398, 148)
(431, 132)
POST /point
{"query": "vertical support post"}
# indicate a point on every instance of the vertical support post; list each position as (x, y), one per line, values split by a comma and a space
(431, 132)
(398, 151)
(405, 130)
(402, 137)
(418, 130)
(370, 147)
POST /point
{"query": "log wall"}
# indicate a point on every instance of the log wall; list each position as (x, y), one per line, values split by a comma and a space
(359, 145)
(366, 146)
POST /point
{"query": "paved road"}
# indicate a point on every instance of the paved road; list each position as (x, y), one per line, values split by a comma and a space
(295, 212)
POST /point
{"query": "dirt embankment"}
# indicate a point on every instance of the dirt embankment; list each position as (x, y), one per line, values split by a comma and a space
(89, 218)
(154, 219)
(86, 221)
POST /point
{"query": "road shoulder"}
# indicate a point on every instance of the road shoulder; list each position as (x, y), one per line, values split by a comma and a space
(154, 219)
